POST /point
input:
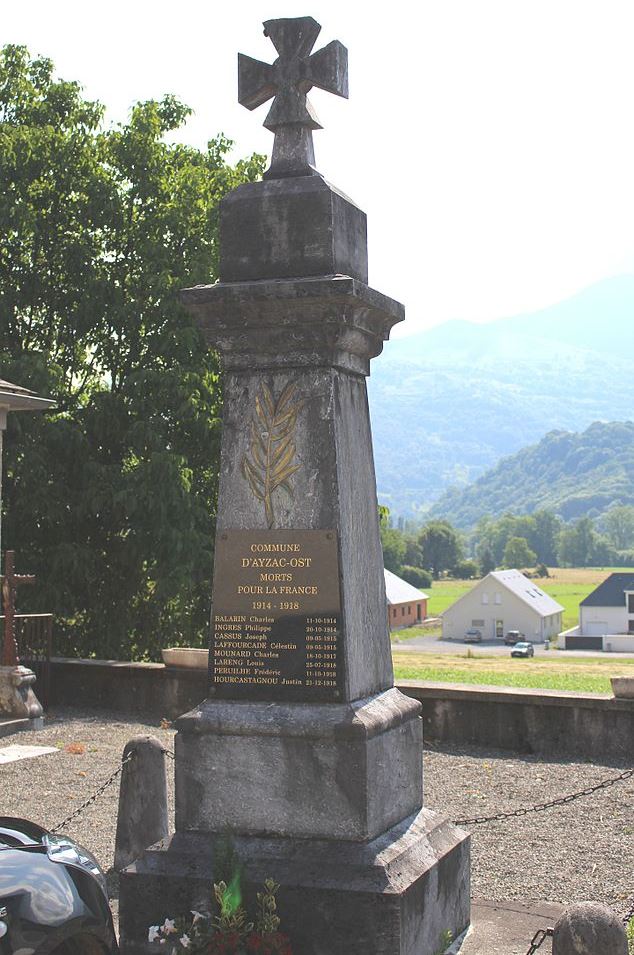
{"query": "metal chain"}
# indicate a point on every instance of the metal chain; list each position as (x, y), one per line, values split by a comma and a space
(95, 796)
(538, 939)
(541, 806)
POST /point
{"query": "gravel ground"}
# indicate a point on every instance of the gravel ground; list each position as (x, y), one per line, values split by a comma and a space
(584, 850)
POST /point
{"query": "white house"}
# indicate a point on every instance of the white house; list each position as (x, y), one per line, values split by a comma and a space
(503, 600)
(606, 617)
(406, 605)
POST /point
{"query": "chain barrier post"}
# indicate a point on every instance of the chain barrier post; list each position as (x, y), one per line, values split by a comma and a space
(143, 817)
(589, 928)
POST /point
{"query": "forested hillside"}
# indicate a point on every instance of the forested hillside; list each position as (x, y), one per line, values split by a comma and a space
(448, 403)
(571, 474)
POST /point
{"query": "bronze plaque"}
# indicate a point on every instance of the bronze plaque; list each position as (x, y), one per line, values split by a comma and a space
(276, 622)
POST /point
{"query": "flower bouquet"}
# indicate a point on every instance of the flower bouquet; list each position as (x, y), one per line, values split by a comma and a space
(228, 932)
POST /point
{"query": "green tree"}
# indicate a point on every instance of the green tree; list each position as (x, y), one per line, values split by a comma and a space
(577, 544)
(393, 544)
(465, 569)
(517, 553)
(111, 499)
(486, 561)
(440, 545)
(618, 524)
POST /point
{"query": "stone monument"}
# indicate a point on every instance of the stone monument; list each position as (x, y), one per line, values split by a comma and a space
(304, 750)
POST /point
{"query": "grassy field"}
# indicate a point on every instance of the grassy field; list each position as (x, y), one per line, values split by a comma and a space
(583, 674)
(568, 586)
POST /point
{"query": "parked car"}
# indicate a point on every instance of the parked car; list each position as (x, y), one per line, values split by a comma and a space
(523, 650)
(53, 896)
(512, 637)
(473, 636)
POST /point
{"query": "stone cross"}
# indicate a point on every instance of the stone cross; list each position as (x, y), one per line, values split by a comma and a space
(288, 80)
(10, 583)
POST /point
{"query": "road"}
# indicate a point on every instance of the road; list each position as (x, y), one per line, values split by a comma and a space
(490, 648)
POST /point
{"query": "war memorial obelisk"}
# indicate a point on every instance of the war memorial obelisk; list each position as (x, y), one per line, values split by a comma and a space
(304, 750)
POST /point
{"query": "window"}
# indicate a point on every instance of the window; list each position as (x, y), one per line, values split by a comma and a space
(477, 623)
(630, 603)
(394, 612)
(418, 613)
(402, 611)
(498, 598)
(409, 609)
(485, 598)
(630, 626)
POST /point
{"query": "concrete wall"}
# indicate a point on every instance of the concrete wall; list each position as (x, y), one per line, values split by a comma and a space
(528, 721)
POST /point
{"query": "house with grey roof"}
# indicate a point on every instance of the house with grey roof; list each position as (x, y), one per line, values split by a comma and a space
(406, 605)
(606, 617)
(504, 600)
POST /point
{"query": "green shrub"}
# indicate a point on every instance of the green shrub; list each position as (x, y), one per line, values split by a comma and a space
(416, 576)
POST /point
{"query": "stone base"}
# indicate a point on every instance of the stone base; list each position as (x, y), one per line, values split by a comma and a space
(396, 895)
(308, 770)
(17, 698)
(10, 726)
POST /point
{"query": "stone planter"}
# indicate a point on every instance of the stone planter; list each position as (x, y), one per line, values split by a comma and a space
(623, 687)
(185, 657)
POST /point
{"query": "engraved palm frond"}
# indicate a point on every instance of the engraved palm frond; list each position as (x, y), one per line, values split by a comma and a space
(271, 458)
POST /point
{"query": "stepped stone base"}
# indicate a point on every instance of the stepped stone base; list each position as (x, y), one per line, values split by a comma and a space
(313, 771)
(395, 895)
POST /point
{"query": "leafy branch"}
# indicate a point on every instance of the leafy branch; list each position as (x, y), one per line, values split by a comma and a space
(272, 446)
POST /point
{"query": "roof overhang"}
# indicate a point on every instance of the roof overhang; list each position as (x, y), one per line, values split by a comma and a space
(15, 398)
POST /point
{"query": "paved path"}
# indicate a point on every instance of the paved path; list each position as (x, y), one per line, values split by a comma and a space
(507, 928)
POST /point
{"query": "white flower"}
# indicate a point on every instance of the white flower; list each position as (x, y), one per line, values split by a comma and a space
(197, 916)
(153, 934)
(168, 926)
(185, 941)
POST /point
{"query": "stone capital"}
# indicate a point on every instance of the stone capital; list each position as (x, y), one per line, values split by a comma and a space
(333, 321)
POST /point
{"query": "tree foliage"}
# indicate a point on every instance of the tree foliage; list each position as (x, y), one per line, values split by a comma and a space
(517, 553)
(441, 546)
(110, 500)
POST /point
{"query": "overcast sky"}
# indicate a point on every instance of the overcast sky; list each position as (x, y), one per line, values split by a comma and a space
(491, 142)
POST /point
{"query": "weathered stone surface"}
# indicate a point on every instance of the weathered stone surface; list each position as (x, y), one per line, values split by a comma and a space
(17, 696)
(339, 771)
(395, 895)
(143, 817)
(289, 79)
(320, 335)
(589, 928)
(285, 228)
(326, 321)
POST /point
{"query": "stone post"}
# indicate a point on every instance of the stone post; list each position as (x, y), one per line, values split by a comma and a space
(304, 749)
(589, 928)
(142, 818)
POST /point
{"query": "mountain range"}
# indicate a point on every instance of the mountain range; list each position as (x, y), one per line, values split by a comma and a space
(448, 403)
(572, 474)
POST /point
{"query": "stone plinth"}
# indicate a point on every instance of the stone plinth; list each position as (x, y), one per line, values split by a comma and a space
(17, 696)
(264, 231)
(395, 894)
(330, 771)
